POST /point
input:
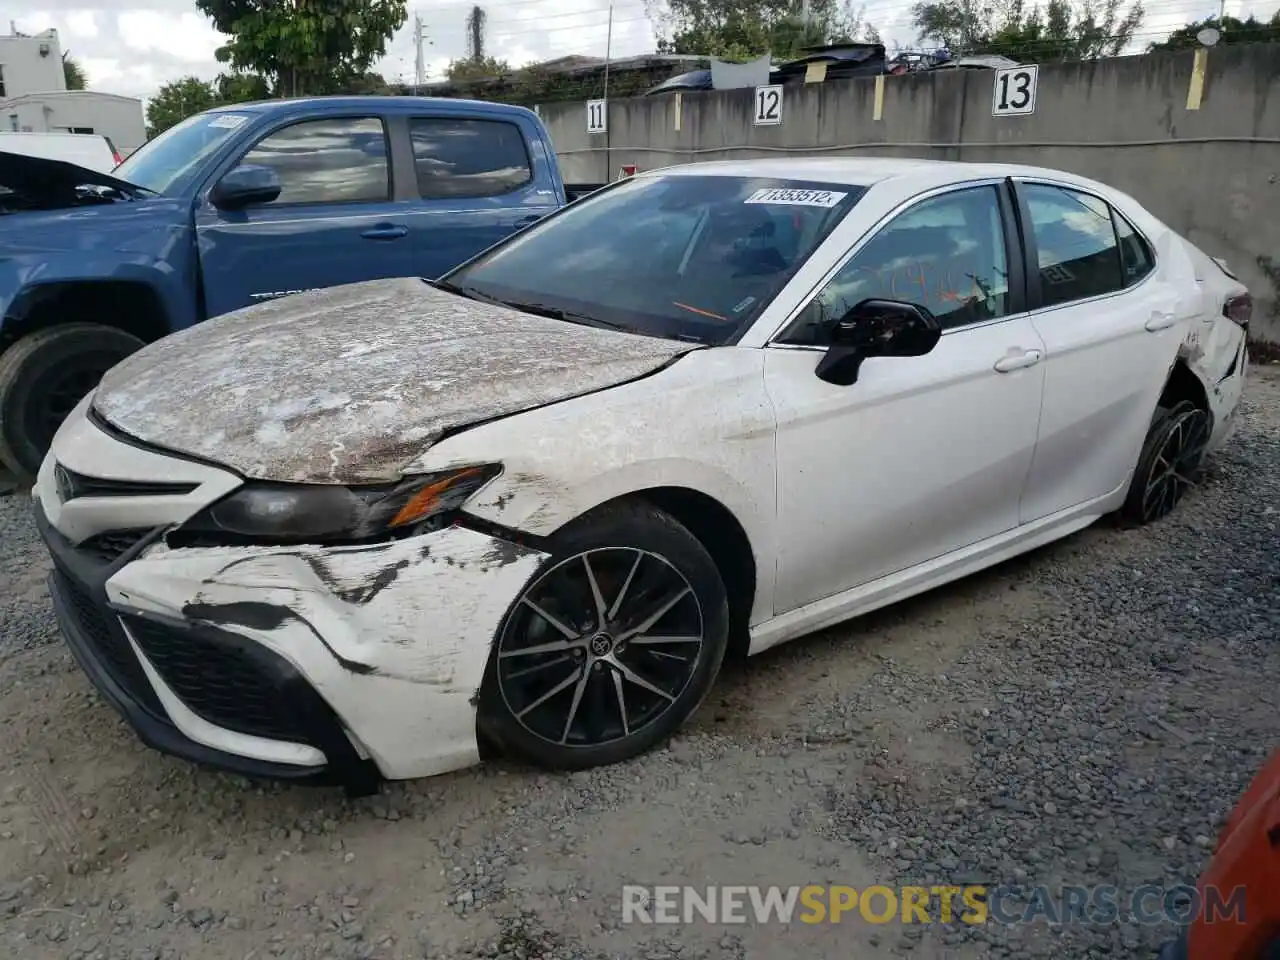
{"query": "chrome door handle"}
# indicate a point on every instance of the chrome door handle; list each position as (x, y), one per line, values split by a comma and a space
(1160, 320)
(1028, 359)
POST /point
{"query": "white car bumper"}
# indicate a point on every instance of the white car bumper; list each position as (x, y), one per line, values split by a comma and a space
(338, 664)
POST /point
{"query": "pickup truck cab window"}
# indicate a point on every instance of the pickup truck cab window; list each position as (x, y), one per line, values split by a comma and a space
(678, 256)
(461, 157)
(335, 160)
(946, 253)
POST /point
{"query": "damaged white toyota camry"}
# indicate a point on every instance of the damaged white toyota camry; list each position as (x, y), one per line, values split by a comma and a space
(358, 533)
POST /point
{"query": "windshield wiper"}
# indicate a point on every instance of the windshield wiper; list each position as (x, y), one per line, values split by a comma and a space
(568, 316)
(537, 309)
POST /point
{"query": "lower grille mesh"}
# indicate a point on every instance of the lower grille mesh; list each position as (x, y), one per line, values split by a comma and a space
(219, 682)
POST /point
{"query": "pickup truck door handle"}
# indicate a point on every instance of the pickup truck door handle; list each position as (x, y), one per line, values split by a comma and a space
(386, 231)
(532, 218)
(1160, 320)
(1018, 361)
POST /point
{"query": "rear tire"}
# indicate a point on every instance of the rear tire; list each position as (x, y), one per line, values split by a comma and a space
(581, 675)
(43, 376)
(1170, 463)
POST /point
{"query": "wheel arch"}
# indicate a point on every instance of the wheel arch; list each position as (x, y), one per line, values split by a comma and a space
(719, 530)
(132, 306)
(1183, 384)
(722, 534)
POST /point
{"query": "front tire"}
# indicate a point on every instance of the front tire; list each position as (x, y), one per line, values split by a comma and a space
(613, 644)
(42, 378)
(1170, 463)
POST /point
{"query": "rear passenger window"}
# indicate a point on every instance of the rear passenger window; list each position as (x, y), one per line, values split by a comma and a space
(1076, 242)
(468, 158)
(340, 160)
(1135, 255)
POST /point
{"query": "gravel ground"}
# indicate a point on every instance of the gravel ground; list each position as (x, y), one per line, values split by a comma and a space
(1086, 714)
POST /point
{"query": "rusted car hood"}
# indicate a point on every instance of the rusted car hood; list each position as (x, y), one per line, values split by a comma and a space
(345, 385)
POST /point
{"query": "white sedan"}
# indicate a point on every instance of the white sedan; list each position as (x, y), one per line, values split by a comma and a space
(358, 533)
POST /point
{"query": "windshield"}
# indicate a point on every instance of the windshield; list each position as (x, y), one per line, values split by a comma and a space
(683, 257)
(168, 163)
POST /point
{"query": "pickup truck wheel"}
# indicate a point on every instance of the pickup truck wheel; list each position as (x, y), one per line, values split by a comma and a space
(42, 378)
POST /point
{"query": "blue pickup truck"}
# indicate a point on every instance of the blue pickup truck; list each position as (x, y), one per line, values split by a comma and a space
(239, 205)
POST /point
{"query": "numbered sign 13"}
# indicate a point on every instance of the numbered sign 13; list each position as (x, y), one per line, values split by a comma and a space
(1015, 91)
(597, 116)
(768, 106)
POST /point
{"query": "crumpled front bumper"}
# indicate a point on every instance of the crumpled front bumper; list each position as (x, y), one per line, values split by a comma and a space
(339, 665)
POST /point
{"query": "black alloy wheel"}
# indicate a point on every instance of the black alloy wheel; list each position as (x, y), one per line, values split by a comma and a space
(609, 648)
(1170, 463)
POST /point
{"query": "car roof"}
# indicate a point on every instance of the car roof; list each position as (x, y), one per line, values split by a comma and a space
(380, 104)
(865, 171)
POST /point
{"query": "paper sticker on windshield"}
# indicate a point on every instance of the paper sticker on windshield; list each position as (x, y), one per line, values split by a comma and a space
(797, 198)
(228, 120)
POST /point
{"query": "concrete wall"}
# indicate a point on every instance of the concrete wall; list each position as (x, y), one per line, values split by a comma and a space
(26, 70)
(79, 111)
(1213, 173)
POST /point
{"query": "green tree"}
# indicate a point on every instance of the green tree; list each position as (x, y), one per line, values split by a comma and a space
(742, 29)
(461, 71)
(305, 46)
(74, 73)
(1061, 30)
(1233, 30)
(176, 101)
(240, 88)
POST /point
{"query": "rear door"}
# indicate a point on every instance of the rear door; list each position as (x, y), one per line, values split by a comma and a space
(338, 219)
(480, 179)
(1112, 319)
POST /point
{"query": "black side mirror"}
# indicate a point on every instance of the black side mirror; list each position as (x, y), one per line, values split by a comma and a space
(876, 328)
(245, 185)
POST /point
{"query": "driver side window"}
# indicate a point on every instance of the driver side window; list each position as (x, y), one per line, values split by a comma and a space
(946, 254)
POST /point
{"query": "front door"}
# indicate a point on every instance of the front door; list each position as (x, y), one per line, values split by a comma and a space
(922, 455)
(334, 222)
(1111, 326)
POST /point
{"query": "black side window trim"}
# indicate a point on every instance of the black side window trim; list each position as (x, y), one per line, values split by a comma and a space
(1116, 219)
(524, 146)
(276, 205)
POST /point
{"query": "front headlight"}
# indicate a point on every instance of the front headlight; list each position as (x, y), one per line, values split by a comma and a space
(282, 513)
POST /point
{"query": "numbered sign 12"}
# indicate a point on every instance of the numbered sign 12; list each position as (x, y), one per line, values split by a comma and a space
(768, 106)
(1015, 91)
(597, 116)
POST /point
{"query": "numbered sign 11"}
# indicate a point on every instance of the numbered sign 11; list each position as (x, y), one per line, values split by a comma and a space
(768, 111)
(597, 116)
(1015, 91)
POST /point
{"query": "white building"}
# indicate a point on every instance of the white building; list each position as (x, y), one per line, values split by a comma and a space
(34, 97)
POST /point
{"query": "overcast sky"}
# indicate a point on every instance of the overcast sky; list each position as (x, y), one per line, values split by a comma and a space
(134, 46)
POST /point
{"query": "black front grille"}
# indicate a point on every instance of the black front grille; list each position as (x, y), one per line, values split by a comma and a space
(101, 628)
(72, 485)
(221, 682)
(110, 547)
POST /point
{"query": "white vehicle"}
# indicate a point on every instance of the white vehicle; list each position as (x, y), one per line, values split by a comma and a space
(357, 533)
(89, 150)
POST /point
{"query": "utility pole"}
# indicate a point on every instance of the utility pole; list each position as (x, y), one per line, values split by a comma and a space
(418, 65)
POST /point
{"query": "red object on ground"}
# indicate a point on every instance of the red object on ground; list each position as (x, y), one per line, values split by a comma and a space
(1248, 855)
